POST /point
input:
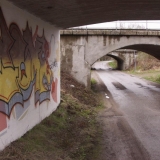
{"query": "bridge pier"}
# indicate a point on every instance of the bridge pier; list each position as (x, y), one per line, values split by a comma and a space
(73, 60)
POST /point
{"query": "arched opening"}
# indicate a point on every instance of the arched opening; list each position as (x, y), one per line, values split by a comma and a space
(120, 59)
(106, 62)
(150, 49)
(144, 65)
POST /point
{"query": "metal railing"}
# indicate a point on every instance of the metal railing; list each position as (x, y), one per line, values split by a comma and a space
(137, 25)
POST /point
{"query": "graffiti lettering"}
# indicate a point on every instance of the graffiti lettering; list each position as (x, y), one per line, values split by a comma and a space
(53, 64)
(24, 67)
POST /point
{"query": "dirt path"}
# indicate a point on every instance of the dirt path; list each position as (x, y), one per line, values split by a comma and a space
(119, 141)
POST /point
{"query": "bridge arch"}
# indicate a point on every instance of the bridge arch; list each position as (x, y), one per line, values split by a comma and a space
(147, 44)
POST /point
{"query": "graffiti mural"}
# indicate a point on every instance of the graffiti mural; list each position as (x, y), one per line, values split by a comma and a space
(24, 67)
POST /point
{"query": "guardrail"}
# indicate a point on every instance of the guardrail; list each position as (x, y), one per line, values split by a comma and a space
(134, 25)
(110, 32)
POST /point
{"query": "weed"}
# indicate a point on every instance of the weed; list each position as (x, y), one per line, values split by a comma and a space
(93, 81)
(93, 84)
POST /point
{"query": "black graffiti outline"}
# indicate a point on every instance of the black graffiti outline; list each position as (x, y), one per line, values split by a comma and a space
(26, 52)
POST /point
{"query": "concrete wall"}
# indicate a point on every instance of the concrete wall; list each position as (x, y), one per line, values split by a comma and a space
(29, 71)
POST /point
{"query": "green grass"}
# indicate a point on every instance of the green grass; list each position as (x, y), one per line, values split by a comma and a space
(93, 84)
(150, 75)
(143, 73)
(70, 133)
(113, 64)
(153, 78)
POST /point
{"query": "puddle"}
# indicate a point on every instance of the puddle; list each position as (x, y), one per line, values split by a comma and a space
(119, 85)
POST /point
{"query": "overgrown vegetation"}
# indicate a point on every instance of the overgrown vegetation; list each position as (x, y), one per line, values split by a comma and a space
(148, 67)
(113, 64)
(70, 133)
(145, 62)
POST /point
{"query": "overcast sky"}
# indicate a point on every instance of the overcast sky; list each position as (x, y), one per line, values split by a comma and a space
(125, 25)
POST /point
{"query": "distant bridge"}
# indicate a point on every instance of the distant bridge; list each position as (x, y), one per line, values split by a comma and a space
(81, 48)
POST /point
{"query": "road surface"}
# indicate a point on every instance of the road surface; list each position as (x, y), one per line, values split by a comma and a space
(101, 65)
(132, 120)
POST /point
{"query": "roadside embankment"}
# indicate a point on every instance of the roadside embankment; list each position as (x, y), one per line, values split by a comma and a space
(72, 132)
(146, 67)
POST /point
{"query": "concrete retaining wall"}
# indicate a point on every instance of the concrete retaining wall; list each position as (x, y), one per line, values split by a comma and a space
(29, 72)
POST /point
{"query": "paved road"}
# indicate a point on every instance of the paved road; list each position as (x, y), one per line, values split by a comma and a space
(135, 110)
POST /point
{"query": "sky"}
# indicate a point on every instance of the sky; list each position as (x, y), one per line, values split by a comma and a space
(153, 25)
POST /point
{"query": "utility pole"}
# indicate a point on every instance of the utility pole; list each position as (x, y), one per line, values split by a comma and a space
(146, 25)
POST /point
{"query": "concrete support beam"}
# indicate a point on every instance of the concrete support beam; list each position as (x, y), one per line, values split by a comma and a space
(74, 13)
(110, 32)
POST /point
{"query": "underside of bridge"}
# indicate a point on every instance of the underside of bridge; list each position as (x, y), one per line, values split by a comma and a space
(153, 50)
(71, 13)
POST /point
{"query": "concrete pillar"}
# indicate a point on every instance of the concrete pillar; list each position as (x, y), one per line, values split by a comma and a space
(73, 59)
